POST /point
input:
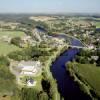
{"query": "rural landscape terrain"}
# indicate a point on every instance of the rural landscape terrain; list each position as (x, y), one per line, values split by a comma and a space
(49, 49)
(49, 57)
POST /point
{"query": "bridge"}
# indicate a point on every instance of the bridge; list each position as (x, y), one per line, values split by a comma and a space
(78, 47)
(63, 35)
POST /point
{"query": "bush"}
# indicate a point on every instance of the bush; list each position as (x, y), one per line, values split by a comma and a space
(43, 96)
(16, 41)
(29, 54)
(4, 61)
(28, 94)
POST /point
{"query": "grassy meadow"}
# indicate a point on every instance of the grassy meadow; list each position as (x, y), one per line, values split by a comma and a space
(91, 74)
(5, 47)
(97, 24)
(12, 33)
(5, 98)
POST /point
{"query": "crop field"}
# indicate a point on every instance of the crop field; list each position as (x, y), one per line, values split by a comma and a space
(91, 74)
(12, 33)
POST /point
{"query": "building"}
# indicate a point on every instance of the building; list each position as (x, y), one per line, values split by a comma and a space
(56, 41)
(39, 33)
(31, 82)
(91, 47)
(29, 68)
(95, 58)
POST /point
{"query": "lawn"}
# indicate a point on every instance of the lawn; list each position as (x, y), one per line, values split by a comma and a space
(12, 33)
(38, 86)
(7, 80)
(5, 98)
(97, 24)
(6, 48)
(91, 74)
(38, 79)
(6, 86)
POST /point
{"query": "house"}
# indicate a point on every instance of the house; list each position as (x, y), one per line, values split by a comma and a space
(31, 82)
(26, 38)
(39, 33)
(91, 47)
(56, 42)
(29, 68)
(95, 58)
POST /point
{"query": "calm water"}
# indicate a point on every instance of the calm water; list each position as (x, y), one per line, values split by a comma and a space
(67, 87)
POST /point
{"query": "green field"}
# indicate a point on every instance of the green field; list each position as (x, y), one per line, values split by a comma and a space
(12, 33)
(7, 80)
(97, 24)
(38, 79)
(6, 48)
(6, 86)
(91, 74)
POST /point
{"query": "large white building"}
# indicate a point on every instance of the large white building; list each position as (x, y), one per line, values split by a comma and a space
(29, 68)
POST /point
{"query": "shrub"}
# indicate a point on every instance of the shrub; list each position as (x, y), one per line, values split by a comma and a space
(16, 41)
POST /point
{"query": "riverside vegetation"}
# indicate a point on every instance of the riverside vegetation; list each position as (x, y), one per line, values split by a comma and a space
(85, 72)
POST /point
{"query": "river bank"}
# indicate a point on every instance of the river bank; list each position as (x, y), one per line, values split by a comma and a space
(83, 74)
(48, 75)
(66, 86)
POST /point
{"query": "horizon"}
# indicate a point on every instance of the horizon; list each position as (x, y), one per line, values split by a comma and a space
(44, 13)
(50, 7)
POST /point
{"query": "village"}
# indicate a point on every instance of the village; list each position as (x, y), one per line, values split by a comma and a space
(31, 47)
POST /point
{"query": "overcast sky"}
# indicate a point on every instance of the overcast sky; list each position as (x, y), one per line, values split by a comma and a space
(49, 6)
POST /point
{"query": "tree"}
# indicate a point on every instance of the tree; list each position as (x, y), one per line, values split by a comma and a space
(46, 85)
(43, 96)
(16, 41)
(4, 61)
(83, 60)
(98, 61)
(92, 61)
(28, 94)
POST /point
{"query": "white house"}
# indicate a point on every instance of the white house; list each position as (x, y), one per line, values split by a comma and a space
(31, 83)
(91, 47)
(95, 57)
(29, 68)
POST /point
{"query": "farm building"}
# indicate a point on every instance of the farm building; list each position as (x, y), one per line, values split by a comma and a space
(29, 68)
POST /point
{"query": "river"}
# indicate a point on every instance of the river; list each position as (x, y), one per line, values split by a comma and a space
(66, 86)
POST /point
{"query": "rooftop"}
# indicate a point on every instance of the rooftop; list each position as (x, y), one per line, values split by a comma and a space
(29, 63)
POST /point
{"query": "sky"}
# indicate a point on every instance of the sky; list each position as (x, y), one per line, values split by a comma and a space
(49, 6)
